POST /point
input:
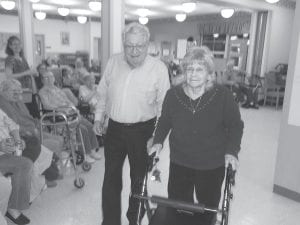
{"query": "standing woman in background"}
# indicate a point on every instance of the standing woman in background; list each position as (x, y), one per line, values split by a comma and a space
(17, 67)
(206, 131)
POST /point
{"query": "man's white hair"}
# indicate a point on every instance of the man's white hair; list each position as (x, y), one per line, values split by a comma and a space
(136, 28)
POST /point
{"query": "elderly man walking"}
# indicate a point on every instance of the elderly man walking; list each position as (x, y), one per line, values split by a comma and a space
(131, 91)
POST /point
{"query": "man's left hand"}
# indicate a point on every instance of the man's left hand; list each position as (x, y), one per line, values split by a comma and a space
(230, 159)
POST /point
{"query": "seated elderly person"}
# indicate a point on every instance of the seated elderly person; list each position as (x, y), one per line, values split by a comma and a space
(11, 103)
(52, 97)
(88, 91)
(41, 68)
(18, 167)
(68, 81)
(80, 71)
(234, 81)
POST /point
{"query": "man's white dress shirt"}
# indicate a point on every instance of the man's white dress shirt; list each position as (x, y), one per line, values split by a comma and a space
(129, 95)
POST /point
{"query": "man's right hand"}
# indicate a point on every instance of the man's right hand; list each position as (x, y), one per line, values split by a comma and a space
(7, 147)
(98, 128)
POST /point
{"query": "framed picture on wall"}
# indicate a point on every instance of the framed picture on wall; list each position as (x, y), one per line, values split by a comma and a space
(65, 38)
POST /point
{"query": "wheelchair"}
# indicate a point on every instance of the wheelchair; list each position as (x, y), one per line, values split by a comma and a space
(174, 212)
(65, 121)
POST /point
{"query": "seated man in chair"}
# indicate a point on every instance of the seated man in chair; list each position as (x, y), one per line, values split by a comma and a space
(52, 97)
(236, 82)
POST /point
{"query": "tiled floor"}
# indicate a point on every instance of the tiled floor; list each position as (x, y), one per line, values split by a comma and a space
(254, 202)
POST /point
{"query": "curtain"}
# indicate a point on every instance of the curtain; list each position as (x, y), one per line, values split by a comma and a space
(239, 23)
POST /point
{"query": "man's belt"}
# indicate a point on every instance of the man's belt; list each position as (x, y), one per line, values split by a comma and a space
(137, 124)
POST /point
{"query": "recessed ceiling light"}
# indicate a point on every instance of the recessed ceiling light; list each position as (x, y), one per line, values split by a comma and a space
(272, 1)
(95, 5)
(180, 17)
(234, 37)
(8, 4)
(40, 15)
(188, 7)
(245, 35)
(227, 13)
(81, 19)
(63, 11)
(143, 20)
(216, 35)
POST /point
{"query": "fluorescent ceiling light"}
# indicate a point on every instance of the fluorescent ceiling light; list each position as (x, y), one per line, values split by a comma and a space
(8, 4)
(63, 11)
(188, 7)
(81, 12)
(43, 7)
(143, 12)
(227, 13)
(81, 19)
(40, 15)
(143, 20)
(95, 5)
(35, 1)
(272, 1)
(180, 17)
(65, 2)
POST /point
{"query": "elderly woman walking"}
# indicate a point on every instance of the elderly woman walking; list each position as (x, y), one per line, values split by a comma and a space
(206, 131)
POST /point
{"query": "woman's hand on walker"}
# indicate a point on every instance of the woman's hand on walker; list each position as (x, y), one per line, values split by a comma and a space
(230, 159)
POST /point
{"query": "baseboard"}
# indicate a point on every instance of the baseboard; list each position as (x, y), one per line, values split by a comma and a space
(286, 193)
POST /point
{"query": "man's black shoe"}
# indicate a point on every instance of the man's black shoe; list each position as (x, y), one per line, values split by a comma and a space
(20, 220)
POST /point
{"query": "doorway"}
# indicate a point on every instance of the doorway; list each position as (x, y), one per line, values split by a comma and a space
(39, 45)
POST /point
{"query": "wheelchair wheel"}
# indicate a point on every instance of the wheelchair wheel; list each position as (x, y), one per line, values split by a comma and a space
(79, 183)
(86, 166)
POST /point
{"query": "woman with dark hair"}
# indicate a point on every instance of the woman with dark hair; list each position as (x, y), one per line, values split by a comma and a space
(16, 65)
(206, 131)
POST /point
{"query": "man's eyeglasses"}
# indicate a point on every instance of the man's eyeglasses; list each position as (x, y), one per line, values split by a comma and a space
(137, 47)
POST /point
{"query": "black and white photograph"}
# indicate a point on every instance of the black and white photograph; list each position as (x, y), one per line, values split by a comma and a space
(161, 112)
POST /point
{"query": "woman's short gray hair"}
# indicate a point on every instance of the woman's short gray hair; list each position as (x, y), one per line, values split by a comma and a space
(136, 28)
(8, 84)
(200, 54)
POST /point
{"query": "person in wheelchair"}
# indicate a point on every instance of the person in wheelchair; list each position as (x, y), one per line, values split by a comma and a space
(52, 98)
(237, 83)
(206, 131)
(88, 91)
(69, 81)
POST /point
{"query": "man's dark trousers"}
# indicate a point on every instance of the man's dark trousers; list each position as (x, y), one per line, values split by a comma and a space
(122, 140)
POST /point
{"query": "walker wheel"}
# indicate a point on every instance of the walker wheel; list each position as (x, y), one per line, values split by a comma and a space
(79, 183)
(86, 166)
(79, 157)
